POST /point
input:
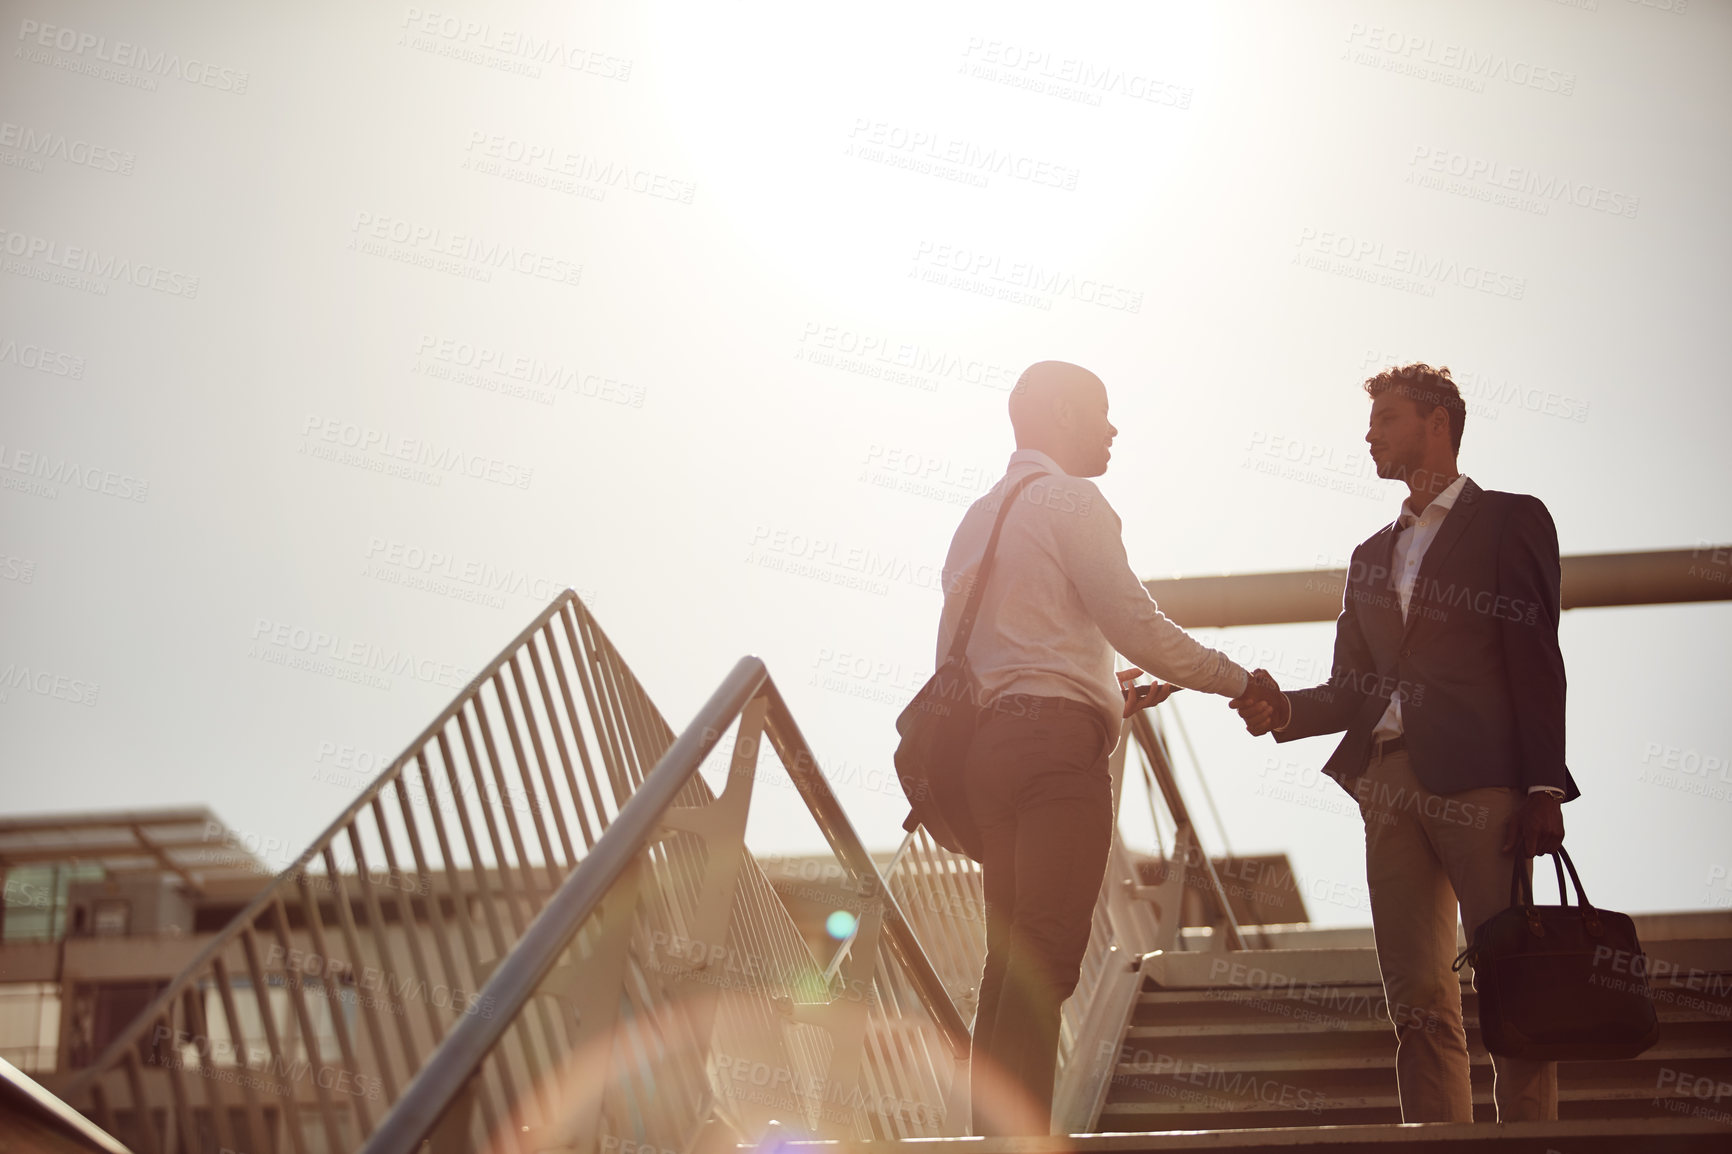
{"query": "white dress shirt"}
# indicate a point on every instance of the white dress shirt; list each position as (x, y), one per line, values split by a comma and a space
(1411, 542)
(1062, 597)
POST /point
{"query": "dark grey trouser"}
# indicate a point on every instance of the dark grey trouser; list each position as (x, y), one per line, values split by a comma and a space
(1040, 791)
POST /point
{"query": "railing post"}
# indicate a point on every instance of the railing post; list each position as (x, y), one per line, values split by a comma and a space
(846, 1016)
(451, 1136)
(590, 993)
(722, 826)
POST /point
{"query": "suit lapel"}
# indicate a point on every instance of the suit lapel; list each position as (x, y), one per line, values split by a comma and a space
(1455, 523)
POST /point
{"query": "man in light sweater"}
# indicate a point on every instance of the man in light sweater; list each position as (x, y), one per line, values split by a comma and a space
(1061, 599)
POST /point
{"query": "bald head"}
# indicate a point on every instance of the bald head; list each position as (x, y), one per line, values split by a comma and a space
(1061, 409)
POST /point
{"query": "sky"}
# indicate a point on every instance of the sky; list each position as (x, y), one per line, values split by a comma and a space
(386, 322)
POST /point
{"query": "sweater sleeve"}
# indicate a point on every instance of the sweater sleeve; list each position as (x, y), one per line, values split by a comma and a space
(1092, 549)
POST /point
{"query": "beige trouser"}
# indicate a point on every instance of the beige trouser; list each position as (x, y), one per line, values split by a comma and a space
(1424, 852)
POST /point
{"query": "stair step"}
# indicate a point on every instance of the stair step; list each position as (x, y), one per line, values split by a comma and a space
(1323, 1006)
(1283, 1039)
(1386, 1099)
(1262, 969)
(1571, 1136)
(1320, 1089)
(1699, 966)
(1379, 1131)
(1258, 1029)
(1383, 1058)
(1682, 1023)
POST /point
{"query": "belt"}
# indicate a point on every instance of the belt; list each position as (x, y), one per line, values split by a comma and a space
(1034, 706)
(1038, 704)
(1389, 745)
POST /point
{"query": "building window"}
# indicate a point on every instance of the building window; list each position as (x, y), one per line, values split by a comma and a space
(100, 1012)
(110, 917)
(30, 1025)
(36, 900)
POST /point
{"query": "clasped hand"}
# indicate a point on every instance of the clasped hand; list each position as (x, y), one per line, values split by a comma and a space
(1142, 696)
(1262, 707)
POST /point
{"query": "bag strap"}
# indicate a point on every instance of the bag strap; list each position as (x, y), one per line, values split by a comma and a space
(1521, 896)
(1581, 897)
(971, 610)
(1521, 890)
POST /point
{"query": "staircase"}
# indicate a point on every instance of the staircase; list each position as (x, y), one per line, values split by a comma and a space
(1298, 1036)
(540, 929)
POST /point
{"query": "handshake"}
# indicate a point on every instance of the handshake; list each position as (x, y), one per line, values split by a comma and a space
(1262, 707)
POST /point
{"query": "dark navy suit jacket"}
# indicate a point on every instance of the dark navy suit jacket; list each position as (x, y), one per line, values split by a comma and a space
(1477, 658)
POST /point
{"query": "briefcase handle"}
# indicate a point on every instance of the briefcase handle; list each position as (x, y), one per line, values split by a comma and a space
(1521, 890)
(1521, 895)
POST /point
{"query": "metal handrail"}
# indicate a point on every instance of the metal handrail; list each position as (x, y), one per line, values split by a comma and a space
(438, 1083)
(284, 882)
(441, 1082)
(559, 712)
(1588, 580)
(247, 1020)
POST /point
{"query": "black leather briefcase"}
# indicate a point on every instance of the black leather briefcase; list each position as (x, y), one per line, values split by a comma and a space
(1560, 983)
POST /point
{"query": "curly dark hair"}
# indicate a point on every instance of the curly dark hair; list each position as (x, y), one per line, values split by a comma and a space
(1427, 388)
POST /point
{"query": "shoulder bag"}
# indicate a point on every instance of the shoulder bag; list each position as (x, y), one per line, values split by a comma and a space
(938, 726)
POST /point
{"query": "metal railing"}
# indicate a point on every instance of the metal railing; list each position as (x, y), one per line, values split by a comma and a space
(942, 895)
(301, 1023)
(1188, 866)
(520, 936)
(684, 994)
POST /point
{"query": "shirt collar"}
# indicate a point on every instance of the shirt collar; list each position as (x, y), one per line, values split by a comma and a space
(1034, 457)
(1443, 502)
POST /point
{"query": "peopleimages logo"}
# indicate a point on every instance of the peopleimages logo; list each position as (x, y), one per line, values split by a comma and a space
(1485, 392)
(403, 240)
(281, 642)
(1361, 258)
(480, 42)
(45, 471)
(1020, 282)
(42, 144)
(541, 159)
(888, 143)
(1487, 179)
(499, 370)
(125, 54)
(1425, 56)
(399, 563)
(836, 562)
(882, 355)
(329, 438)
(42, 360)
(91, 262)
(1066, 76)
(46, 683)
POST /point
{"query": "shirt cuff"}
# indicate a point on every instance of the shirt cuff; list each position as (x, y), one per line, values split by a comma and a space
(1551, 789)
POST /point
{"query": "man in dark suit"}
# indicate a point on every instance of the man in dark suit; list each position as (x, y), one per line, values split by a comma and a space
(1449, 683)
